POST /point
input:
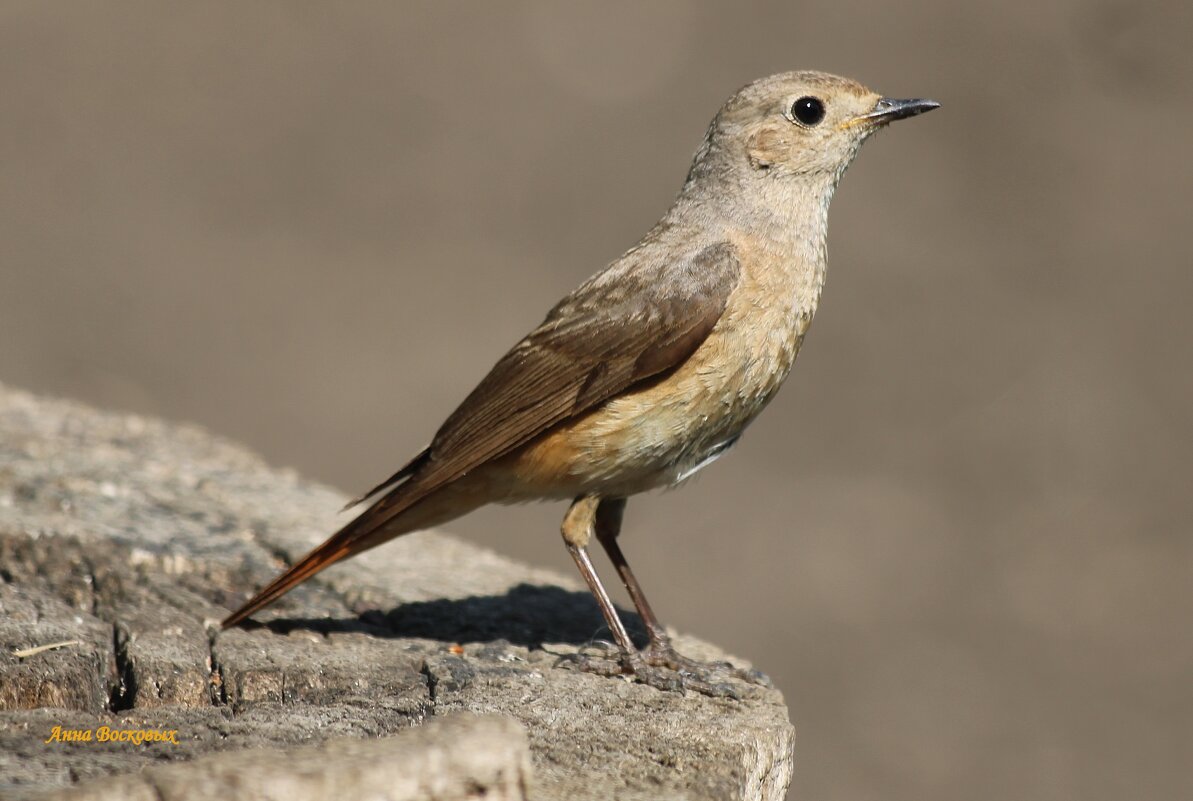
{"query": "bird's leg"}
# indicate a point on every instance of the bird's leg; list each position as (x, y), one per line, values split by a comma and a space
(608, 526)
(578, 527)
(660, 652)
(577, 531)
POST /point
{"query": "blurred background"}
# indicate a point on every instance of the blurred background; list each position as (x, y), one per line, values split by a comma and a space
(959, 540)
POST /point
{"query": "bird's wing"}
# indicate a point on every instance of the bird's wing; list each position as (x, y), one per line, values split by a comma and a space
(614, 331)
(633, 321)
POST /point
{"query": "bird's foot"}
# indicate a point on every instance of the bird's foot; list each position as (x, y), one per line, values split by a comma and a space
(666, 670)
(660, 653)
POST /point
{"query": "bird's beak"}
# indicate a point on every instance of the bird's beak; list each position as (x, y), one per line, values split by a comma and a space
(888, 110)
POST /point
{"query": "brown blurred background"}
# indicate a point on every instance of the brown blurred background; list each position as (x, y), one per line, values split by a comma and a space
(960, 538)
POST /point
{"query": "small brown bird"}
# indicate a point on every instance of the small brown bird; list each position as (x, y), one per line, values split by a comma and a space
(654, 366)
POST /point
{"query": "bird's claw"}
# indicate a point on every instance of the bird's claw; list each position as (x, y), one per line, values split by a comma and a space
(663, 654)
(661, 667)
(588, 663)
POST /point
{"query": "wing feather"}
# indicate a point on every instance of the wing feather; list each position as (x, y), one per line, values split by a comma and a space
(602, 339)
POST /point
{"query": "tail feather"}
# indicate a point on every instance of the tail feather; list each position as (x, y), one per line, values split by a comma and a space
(404, 473)
(358, 535)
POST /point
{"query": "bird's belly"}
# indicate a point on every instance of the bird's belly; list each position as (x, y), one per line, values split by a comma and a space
(682, 472)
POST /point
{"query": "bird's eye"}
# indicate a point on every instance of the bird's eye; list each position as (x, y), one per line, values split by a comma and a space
(808, 110)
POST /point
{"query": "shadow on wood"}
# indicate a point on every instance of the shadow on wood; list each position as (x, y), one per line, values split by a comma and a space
(528, 615)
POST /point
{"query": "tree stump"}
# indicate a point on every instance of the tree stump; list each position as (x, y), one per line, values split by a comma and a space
(124, 540)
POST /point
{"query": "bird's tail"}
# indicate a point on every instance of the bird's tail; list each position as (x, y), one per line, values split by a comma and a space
(357, 536)
(405, 508)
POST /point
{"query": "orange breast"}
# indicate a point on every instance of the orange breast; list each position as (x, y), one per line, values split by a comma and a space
(649, 436)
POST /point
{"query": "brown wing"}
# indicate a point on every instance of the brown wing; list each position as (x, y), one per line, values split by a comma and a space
(635, 320)
(613, 332)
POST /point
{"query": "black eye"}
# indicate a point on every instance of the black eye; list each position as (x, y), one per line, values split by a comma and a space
(808, 110)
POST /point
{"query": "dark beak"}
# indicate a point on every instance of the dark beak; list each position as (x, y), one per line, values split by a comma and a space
(888, 110)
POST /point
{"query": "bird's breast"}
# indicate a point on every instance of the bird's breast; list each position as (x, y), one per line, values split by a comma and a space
(663, 430)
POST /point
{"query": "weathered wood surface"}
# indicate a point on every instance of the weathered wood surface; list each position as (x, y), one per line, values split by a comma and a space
(458, 757)
(133, 537)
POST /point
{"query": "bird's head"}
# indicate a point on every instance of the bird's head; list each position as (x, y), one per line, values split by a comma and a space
(798, 124)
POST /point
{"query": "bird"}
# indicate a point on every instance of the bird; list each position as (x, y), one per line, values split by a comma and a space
(653, 367)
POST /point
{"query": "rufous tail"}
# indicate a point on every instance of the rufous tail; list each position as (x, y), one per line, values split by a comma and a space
(377, 524)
